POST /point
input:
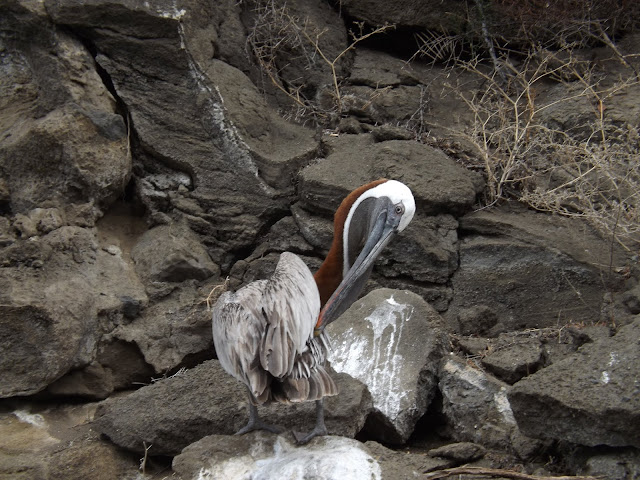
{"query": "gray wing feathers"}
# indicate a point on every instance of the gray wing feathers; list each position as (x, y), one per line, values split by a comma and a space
(291, 304)
(293, 390)
(263, 335)
(237, 333)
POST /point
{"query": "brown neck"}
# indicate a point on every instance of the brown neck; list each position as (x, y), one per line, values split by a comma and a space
(329, 275)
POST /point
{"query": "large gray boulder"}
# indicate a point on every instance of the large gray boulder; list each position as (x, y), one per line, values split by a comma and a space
(194, 115)
(264, 456)
(590, 398)
(438, 183)
(521, 269)
(392, 341)
(48, 322)
(60, 292)
(177, 411)
(63, 142)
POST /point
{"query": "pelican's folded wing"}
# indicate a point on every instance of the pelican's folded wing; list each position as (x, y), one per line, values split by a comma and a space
(237, 335)
(290, 307)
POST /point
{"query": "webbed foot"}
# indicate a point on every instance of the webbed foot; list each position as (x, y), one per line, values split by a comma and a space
(256, 423)
(318, 431)
(302, 439)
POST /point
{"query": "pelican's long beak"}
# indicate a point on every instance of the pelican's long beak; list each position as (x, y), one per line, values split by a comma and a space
(354, 281)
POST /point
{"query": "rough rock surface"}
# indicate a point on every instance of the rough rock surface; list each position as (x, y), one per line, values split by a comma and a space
(56, 442)
(478, 409)
(147, 131)
(512, 362)
(439, 185)
(235, 152)
(515, 261)
(400, 465)
(392, 341)
(615, 465)
(48, 321)
(172, 329)
(172, 253)
(62, 141)
(594, 399)
(175, 412)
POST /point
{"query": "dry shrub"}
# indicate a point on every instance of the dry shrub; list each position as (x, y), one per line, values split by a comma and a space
(582, 22)
(279, 38)
(277, 34)
(590, 170)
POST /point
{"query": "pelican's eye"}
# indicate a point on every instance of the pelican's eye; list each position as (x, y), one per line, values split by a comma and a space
(399, 209)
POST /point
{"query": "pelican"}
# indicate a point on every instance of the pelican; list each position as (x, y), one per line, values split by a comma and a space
(270, 334)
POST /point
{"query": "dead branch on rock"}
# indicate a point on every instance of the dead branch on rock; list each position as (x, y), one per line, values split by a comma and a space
(143, 460)
(277, 31)
(497, 472)
(355, 39)
(214, 294)
(438, 47)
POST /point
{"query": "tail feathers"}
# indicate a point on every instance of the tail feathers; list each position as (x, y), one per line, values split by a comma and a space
(258, 382)
(293, 390)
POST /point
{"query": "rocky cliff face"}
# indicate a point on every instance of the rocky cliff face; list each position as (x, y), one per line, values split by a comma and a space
(144, 158)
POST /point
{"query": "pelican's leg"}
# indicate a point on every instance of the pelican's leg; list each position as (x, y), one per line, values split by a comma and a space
(256, 423)
(319, 430)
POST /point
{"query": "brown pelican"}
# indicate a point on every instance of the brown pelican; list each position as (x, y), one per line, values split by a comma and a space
(270, 334)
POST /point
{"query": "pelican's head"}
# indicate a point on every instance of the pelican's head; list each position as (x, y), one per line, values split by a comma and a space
(376, 212)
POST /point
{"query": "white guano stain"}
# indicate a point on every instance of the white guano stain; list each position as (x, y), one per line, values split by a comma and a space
(503, 406)
(613, 360)
(229, 134)
(376, 361)
(172, 11)
(467, 374)
(34, 419)
(296, 463)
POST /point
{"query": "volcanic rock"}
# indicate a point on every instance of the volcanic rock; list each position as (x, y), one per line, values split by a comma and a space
(590, 398)
(438, 184)
(392, 341)
(177, 411)
(478, 410)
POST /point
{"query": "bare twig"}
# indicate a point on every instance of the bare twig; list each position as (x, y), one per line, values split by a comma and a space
(276, 30)
(143, 460)
(593, 175)
(212, 294)
(333, 63)
(497, 472)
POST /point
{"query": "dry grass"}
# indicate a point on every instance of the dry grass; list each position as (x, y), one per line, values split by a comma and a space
(215, 293)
